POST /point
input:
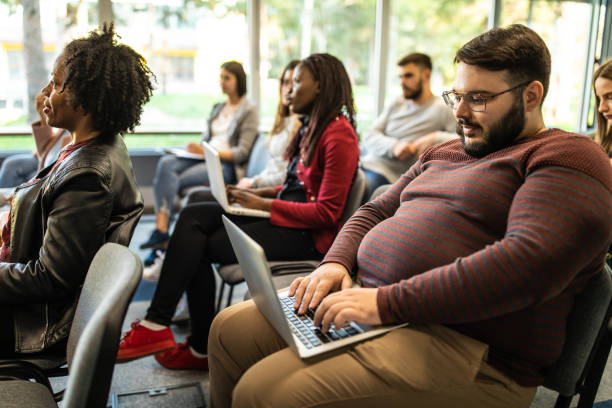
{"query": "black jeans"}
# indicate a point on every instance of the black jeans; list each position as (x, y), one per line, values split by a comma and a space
(199, 238)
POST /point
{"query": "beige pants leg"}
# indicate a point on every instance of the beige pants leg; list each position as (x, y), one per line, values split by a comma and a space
(427, 366)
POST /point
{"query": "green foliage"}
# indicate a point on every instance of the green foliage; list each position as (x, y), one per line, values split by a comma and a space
(184, 105)
(346, 30)
(17, 142)
(158, 141)
(137, 141)
(342, 28)
(11, 4)
(184, 15)
(438, 29)
(20, 121)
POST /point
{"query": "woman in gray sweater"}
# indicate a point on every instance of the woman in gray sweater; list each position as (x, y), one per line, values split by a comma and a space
(231, 128)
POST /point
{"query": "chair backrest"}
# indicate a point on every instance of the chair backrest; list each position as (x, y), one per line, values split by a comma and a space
(587, 320)
(355, 197)
(111, 281)
(259, 157)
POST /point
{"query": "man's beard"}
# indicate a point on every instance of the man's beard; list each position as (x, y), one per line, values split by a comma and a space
(501, 134)
(413, 94)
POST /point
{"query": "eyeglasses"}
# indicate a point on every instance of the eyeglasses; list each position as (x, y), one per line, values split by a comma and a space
(475, 101)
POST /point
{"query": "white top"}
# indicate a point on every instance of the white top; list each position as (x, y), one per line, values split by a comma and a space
(276, 169)
(219, 126)
(404, 120)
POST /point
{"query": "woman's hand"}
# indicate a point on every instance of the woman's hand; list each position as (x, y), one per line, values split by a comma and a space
(195, 148)
(266, 192)
(248, 199)
(226, 155)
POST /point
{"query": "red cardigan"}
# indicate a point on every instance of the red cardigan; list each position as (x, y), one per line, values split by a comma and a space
(326, 183)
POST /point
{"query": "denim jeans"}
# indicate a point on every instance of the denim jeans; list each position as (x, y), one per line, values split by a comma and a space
(174, 174)
(17, 169)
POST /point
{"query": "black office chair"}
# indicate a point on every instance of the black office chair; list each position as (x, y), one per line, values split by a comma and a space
(587, 344)
(93, 340)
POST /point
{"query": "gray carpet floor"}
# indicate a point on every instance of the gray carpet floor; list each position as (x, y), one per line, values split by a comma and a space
(146, 373)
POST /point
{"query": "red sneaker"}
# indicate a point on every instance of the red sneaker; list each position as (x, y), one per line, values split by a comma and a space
(180, 357)
(140, 342)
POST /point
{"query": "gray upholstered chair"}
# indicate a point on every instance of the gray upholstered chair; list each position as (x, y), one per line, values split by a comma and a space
(587, 344)
(258, 159)
(94, 336)
(232, 275)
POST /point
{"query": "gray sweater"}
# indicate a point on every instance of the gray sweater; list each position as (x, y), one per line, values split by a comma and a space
(404, 120)
(242, 132)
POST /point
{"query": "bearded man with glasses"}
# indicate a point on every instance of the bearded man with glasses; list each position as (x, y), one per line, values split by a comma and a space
(482, 246)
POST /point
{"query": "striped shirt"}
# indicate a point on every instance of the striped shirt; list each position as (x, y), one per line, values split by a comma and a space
(494, 247)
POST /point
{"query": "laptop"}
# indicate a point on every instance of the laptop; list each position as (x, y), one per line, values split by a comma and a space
(217, 185)
(298, 331)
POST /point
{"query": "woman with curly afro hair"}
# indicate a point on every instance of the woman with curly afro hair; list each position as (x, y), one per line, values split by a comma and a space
(60, 218)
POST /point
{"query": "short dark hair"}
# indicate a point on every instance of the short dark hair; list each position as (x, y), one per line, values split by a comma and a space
(238, 71)
(517, 49)
(416, 58)
(108, 80)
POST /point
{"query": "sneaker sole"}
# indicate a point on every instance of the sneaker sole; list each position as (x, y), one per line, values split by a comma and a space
(181, 321)
(172, 366)
(145, 351)
(159, 245)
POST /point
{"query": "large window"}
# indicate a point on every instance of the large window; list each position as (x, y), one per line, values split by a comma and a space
(280, 43)
(296, 28)
(437, 29)
(565, 27)
(185, 42)
(185, 46)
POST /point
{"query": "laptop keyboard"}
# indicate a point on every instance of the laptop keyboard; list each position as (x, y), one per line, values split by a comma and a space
(304, 329)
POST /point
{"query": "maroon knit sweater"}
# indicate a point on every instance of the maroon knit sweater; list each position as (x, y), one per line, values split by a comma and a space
(496, 247)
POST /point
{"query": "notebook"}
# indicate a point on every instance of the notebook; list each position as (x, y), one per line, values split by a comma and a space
(182, 153)
(298, 331)
(217, 185)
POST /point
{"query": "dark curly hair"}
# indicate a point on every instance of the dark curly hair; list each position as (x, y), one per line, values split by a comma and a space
(335, 98)
(108, 80)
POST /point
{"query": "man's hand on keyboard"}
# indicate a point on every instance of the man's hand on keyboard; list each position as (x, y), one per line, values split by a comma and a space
(358, 305)
(310, 290)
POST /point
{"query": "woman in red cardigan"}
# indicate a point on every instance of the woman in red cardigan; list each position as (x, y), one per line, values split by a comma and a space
(305, 217)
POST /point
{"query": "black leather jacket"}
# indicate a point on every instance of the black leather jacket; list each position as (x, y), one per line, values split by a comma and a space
(57, 225)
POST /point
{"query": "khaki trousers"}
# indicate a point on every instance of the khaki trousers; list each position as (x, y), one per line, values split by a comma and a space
(425, 366)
